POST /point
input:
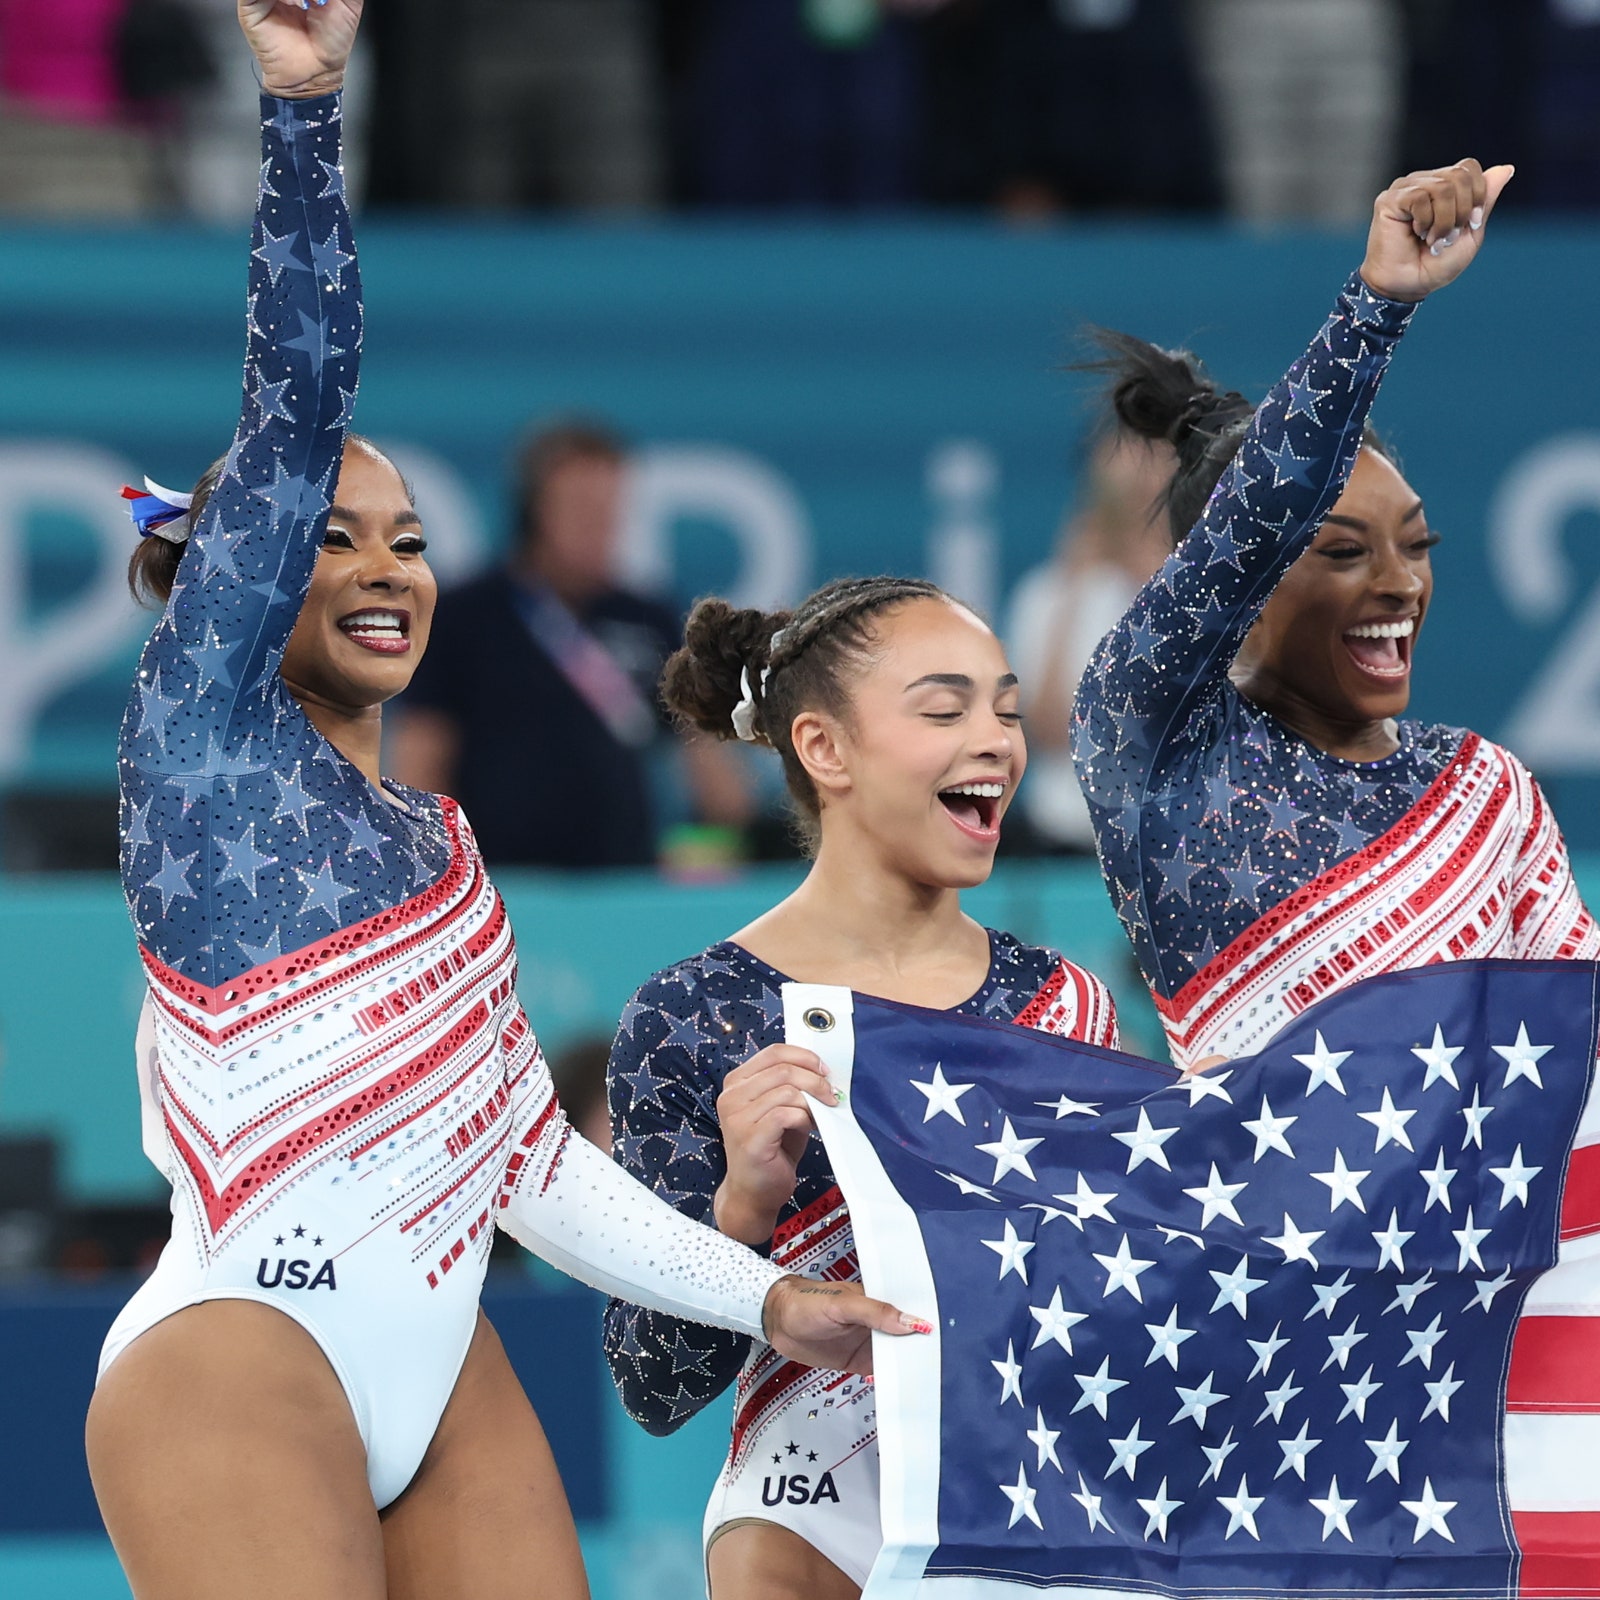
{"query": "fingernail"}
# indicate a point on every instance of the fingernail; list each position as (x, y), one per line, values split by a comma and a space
(1438, 247)
(838, 1099)
(915, 1324)
(1475, 221)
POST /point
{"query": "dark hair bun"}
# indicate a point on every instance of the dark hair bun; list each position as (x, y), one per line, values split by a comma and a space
(701, 682)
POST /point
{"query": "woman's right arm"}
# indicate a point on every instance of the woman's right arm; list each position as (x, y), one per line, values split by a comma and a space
(1170, 654)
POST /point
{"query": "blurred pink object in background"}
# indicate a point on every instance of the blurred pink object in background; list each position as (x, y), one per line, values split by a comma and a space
(60, 59)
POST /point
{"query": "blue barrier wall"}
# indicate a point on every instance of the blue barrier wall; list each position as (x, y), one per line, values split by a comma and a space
(811, 398)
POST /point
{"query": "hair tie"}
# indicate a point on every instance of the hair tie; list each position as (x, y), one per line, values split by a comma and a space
(744, 714)
(158, 511)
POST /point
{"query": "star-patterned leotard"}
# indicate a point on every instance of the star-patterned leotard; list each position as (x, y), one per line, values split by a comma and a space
(338, 1078)
(1212, 816)
(1256, 874)
(804, 1448)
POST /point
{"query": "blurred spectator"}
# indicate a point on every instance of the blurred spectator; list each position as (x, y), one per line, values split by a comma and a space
(802, 103)
(1060, 611)
(1307, 96)
(1517, 83)
(553, 102)
(536, 703)
(1043, 105)
(578, 1071)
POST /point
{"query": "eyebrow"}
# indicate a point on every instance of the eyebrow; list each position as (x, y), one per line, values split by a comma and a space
(1365, 527)
(402, 519)
(959, 681)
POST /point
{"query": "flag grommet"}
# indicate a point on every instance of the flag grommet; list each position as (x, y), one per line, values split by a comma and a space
(819, 1020)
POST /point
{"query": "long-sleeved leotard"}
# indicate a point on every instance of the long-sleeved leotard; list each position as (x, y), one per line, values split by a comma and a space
(1256, 874)
(1209, 812)
(680, 1036)
(346, 1094)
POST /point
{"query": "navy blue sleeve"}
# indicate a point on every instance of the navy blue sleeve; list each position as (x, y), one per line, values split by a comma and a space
(1148, 699)
(662, 1089)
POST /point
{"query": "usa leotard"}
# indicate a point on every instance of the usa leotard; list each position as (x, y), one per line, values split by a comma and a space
(339, 1080)
(804, 1449)
(1252, 871)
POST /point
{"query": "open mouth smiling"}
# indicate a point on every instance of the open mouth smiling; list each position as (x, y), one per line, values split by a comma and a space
(1382, 650)
(975, 808)
(381, 629)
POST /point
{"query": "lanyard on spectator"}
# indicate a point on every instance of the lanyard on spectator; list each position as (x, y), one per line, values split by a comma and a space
(595, 675)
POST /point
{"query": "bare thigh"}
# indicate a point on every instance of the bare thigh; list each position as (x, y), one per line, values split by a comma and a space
(486, 1517)
(761, 1561)
(227, 1462)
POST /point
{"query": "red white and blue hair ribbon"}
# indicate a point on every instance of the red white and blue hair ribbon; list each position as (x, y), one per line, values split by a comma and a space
(163, 512)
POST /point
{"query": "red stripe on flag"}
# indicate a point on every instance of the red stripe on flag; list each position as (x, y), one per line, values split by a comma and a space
(1580, 1204)
(1560, 1554)
(1553, 1366)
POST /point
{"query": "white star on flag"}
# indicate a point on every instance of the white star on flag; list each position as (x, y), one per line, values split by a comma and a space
(1386, 1453)
(1430, 1513)
(1055, 1322)
(1335, 1511)
(1422, 1341)
(1010, 1153)
(966, 1186)
(1087, 1203)
(1010, 1371)
(1469, 1238)
(1295, 1452)
(1440, 1060)
(1391, 1242)
(1475, 1114)
(1126, 1452)
(1296, 1246)
(1390, 1123)
(1091, 1504)
(1198, 1401)
(1356, 1396)
(1021, 1497)
(1158, 1510)
(1013, 1252)
(1043, 1439)
(1277, 1399)
(1344, 1183)
(1407, 1295)
(1124, 1269)
(1217, 1454)
(1440, 1391)
(1438, 1179)
(1216, 1198)
(1265, 1350)
(1522, 1059)
(1323, 1065)
(1235, 1288)
(1489, 1288)
(942, 1096)
(1205, 1086)
(1341, 1344)
(1145, 1142)
(1066, 1106)
(1165, 1338)
(1269, 1131)
(1096, 1386)
(1328, 1295)
(1241, 1507)
(1514, 1180)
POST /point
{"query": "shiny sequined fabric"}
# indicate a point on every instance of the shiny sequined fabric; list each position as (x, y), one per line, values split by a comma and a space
(680, 1036)
(245, 834)
(1208, 810)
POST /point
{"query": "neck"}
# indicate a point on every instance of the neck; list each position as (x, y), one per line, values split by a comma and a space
(355, 732)
(535, 568)
(1350, 739)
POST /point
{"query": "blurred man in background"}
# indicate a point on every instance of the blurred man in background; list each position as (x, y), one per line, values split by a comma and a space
(536, 705)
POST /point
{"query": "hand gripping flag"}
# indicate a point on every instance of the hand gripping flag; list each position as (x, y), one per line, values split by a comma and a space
(1292, 1327)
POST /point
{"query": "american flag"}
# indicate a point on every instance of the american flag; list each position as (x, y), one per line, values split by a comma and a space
(1246, 1333)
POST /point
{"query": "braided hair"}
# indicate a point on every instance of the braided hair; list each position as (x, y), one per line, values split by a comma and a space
(793, 661)
(1169, 395)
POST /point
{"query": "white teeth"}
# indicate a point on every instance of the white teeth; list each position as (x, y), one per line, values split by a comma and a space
(985, 791)
(372, 622)
(1384, 630)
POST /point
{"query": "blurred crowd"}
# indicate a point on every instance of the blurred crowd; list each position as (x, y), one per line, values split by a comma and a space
(1265, 109)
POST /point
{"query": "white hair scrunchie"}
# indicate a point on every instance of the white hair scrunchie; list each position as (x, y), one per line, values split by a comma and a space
(744, 714)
